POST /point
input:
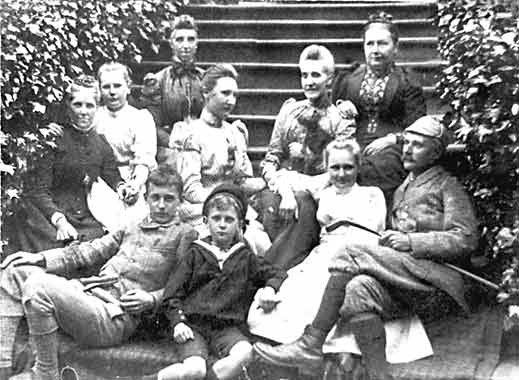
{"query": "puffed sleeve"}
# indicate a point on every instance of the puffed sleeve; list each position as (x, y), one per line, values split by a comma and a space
(459, 235)
(190, 167)
(277, 150)
(242, 165)
(145, 143)
(342, 118)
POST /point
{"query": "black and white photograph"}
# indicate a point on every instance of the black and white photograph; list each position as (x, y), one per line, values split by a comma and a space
(259, 190)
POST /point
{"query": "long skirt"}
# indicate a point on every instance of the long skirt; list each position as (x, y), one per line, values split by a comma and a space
(301, 292)
(33, 231)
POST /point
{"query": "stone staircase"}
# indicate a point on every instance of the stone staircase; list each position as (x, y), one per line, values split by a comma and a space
(263, 41)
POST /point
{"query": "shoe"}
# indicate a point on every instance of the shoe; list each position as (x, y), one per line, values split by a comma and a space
(304, 353)
(370, 335)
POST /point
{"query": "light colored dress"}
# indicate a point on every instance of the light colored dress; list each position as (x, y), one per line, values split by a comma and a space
(132, 135)
(302, 291)
(212, 154)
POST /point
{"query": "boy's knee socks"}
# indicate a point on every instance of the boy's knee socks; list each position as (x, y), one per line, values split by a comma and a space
(46, 366)
(8, 327)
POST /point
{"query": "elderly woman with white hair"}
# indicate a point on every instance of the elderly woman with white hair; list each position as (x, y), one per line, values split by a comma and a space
(433, 223)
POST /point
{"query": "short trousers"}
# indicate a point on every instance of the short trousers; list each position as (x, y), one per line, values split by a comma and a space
(217, 341)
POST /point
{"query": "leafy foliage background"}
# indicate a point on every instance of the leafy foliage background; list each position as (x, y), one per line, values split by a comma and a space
(481, 83)
(44, 44)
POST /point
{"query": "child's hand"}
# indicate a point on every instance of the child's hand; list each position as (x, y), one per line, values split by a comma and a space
(267, 298)
(182, 333)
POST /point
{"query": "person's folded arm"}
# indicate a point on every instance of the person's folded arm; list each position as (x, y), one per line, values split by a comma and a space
(84, 255)
(266, 274)
(176, 289)
(191, 172)
(144, 147)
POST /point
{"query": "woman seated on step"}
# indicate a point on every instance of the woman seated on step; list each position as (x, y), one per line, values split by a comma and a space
(340, 199)
(132, 135)
(402, 271)
(301, 132)
(215, 151)
(387, 100)
(56, 201)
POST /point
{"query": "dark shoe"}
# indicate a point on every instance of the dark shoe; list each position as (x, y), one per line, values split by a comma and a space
(304, 353)
(370, 335)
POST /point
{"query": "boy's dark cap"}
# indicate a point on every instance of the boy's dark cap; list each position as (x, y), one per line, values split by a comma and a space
(232, 190)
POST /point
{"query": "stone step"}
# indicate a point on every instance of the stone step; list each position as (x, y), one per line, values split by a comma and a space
(306, 29)
(288, 50)
(286, 75)
(341, 11)
(265, 101)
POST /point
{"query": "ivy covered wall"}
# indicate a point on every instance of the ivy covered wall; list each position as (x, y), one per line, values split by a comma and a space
(481, 84)
(44, 44)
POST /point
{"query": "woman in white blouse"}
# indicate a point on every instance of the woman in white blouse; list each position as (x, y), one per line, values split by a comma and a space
(132, 135)
(341, 199)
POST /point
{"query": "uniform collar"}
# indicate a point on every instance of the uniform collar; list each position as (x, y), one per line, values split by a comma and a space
(215, 252)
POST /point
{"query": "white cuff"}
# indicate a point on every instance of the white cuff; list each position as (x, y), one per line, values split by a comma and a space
(56, 217)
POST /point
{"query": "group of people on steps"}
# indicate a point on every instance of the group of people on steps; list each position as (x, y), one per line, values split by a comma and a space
(148, 205)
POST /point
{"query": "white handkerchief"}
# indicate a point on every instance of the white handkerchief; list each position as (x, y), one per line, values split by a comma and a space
(406, 341)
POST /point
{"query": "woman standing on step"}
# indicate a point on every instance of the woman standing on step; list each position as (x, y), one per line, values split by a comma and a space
(387, 102)
(174, 93)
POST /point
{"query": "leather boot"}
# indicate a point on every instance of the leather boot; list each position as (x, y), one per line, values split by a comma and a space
(369, 332)
(303, 353)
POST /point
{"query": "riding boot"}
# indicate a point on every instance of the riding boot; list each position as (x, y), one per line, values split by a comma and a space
(305, 352)
(369, 332)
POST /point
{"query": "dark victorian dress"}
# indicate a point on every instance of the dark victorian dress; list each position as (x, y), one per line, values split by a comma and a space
(386, 104)
(61, 183)
(173, 94)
